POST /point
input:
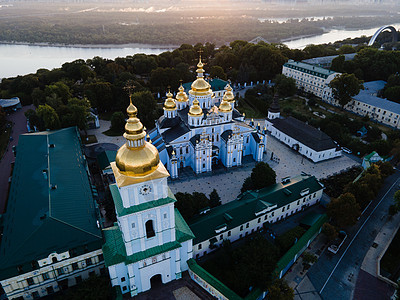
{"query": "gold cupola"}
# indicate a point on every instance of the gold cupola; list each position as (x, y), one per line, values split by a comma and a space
(169, 103)
(137, 160)
(181, 96)
(195, 110)
(228, 95)
(225, 106)
(200, 86)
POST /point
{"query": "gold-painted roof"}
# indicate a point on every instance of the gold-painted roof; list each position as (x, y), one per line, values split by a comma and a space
(228, 95)
(136, 158)
(225, 106)
(195, 110)
(181, 96)
(200, 85)
(169, 103)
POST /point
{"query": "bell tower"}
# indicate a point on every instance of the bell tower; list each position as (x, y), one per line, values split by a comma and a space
(150, 238)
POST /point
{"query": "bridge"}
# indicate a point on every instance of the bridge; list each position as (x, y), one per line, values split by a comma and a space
(383, 28)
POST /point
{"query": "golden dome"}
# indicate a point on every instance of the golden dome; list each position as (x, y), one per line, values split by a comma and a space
(195, 110)
(228, 95)
(225, 106)
(169, 103)
(200, 85)
(181, 96)
(136, 157)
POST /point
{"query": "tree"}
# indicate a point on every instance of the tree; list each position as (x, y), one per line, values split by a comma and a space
(49, 116)
(280, 290)
(262, 175)
(397, 200)
(215, 199)
(338, 64)
(309, 258)
(330, 231)
(3, 118)
(361, 192)
(117, 122)
(285, 86)
(217, 71)
(146, 105)
(345, 86)
(191, 204)
(344, 210)
(247, 185)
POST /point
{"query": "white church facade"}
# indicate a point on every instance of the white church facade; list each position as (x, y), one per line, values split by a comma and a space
(151, 241)
(203, 129)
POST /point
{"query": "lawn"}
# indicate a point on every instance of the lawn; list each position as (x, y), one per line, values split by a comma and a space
(90, 139)
(110, 132)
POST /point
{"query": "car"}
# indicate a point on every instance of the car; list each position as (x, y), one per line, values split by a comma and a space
(347, 150)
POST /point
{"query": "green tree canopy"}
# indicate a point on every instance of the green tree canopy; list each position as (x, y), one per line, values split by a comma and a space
(215, 199)
(285, 86)
(330, 231)
(49, 116)
(280, 290)
(344, 210)
(345, 86)
(263, 175)
(117, 122)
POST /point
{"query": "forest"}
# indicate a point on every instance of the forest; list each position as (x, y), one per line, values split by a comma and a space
(174, 23)
(99, 82)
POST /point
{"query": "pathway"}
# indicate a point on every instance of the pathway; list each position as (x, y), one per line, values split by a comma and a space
(19, 127)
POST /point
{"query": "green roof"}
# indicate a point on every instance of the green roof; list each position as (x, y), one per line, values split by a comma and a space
(50, 206)
(222, 288)
(114, 248)
(105, 158)
(216, 84)
(244, 209)
(310, 219)
(310, 69)
(123, 211)
(301, 243)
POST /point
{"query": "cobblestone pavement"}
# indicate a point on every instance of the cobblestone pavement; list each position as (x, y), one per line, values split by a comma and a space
(102, 138)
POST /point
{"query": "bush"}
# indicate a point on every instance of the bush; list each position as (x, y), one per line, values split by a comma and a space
(117, 122)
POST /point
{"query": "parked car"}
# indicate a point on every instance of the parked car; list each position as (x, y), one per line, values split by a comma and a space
(347, 150)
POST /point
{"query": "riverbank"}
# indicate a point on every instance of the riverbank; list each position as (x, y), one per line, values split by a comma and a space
(94, 46)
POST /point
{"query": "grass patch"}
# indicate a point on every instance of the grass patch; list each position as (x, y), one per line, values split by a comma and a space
(90, 139)
(250, 112)
(110, 132)
(4, 139)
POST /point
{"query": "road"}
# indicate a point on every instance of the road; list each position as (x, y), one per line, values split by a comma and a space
(19, 127)
(335, 276)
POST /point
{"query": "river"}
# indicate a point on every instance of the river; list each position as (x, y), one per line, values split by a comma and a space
(18, 59)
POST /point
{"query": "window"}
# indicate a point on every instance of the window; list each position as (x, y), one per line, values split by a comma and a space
(240, 236)
(133, 225)
(54, 259)
(234, 160)
(101, 257)
(266, 216)
(60, 271)
(75, 266)
(124, 288)
(221, 237)
(283, 209)
(165, 215)
(241, 228)
(50, 290)
(150, 229)
(78, 279)
(30, 281)
(35, 295)
(229, 233)
(45, 276)
(88, 261)
(92, 274)
(273, 213)
(247, 225)
(199, 247)
(122, 279)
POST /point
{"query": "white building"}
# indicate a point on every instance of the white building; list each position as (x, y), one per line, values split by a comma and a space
(367, 103)
(301, 137)
(151, 242)
(204, 129)
(252, 210)
(311, 79)
(51, 239)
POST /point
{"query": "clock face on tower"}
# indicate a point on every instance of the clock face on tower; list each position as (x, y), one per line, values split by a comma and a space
(145, 189)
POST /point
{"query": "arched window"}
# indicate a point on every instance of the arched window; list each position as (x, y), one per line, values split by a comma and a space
(150, 229)
(54, 259)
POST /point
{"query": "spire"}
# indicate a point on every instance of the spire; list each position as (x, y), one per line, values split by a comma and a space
(228, 94)
(181, 96)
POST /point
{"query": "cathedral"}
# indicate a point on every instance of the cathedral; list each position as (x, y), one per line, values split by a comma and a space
(203, 129)
(151, 242)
